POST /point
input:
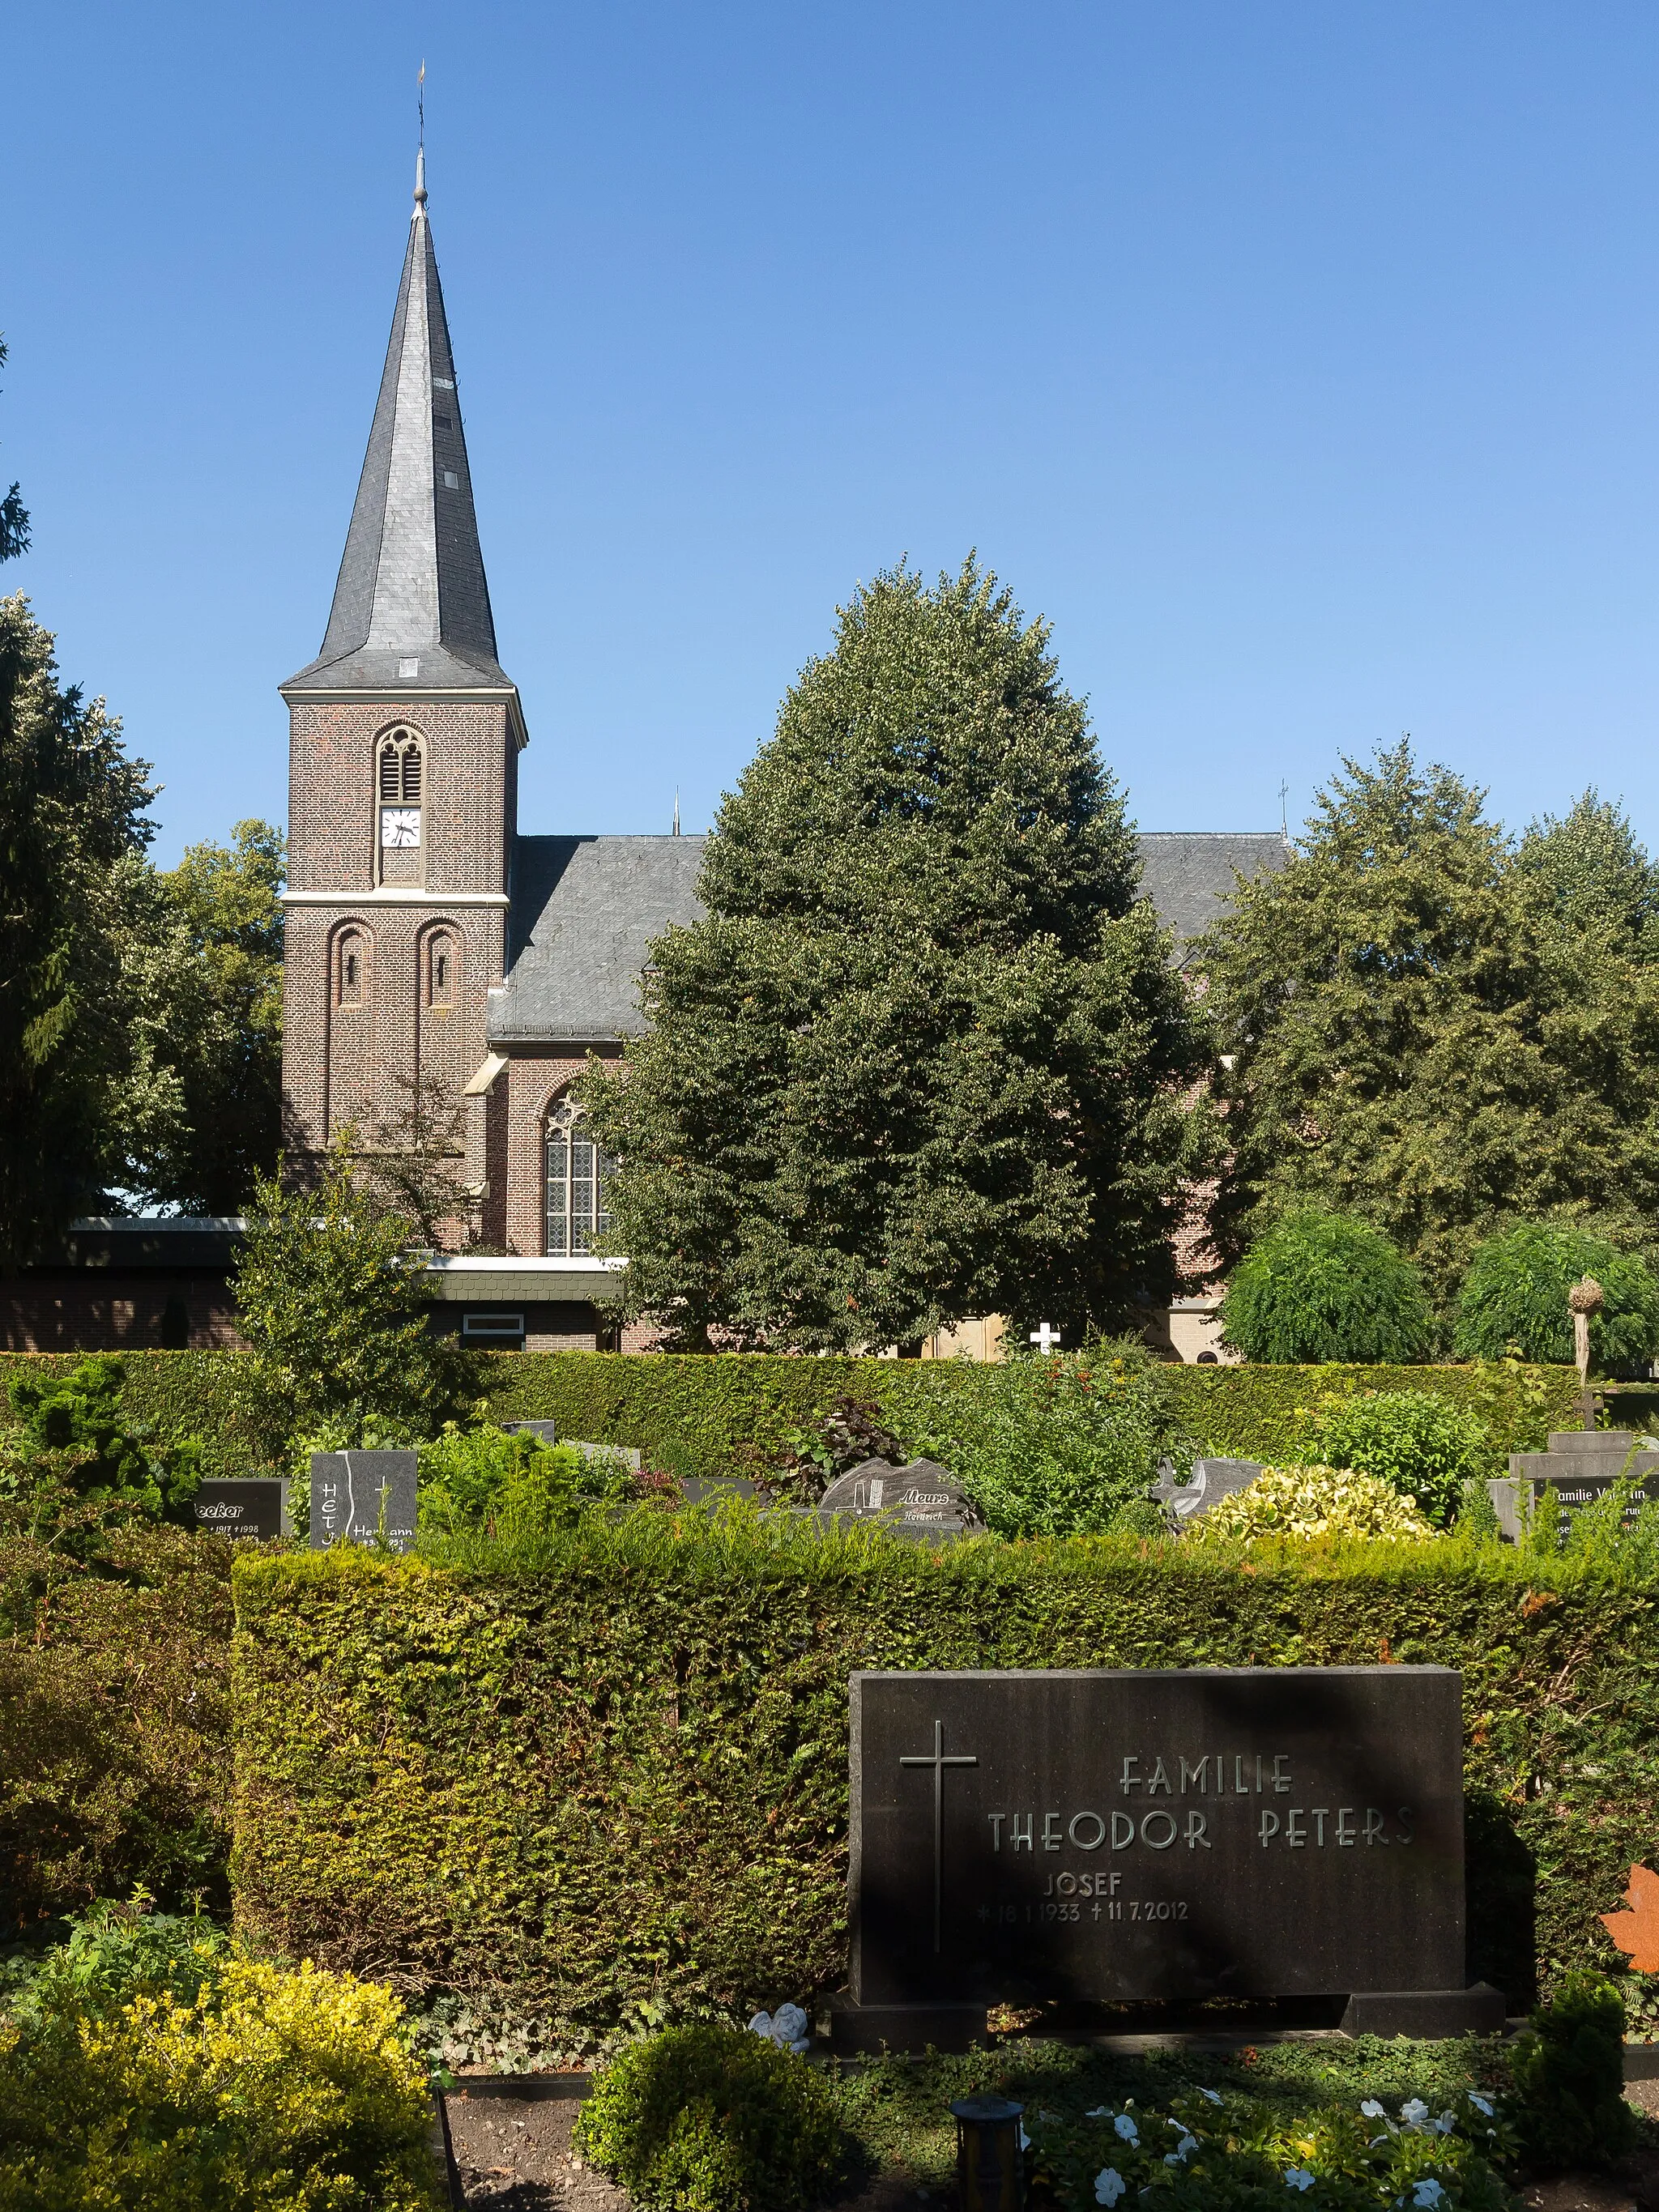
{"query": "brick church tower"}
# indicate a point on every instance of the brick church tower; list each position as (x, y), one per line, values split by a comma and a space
(404, 737)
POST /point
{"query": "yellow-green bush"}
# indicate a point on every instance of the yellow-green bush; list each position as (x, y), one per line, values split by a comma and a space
(1314, 1502)
(271, 2092)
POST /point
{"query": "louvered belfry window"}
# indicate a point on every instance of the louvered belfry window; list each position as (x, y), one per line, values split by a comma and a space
(578, 1171)
(400, 771)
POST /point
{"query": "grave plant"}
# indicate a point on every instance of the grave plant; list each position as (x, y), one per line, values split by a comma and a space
(1429, 1449)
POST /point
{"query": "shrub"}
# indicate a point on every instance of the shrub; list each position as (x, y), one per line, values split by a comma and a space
(1425, 1447)
(1569, 2074)
(1216, 2152)
(1310, 1502)
(114, 1712)
(295, 2092)
(113, 1953)
(1318, 1286)
(1515, 1298)
(713, 2118)
(334, 1317)
(1060, 1446)
(75, 1438)
(470, 1478)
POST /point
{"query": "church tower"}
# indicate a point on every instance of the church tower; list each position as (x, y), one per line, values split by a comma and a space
(403, 784)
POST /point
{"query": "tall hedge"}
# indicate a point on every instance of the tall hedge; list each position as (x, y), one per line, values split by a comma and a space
(617, 1778)
(114, 1721)
(691, 1412)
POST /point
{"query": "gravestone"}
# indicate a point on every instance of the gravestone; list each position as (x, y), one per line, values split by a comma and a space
(1213, 1481)
(357, 1497)
(1099, 1836)
(547, 1431)
(1581, 1465)
(921, 1498)
(245, 1505)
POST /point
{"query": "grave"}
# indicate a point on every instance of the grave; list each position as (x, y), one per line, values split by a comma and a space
(241, 1505)
(1097, 1836)
(1581, 1465)
(922, 1499)
(1213, 1481)
(360, 1497)
(629, 1454)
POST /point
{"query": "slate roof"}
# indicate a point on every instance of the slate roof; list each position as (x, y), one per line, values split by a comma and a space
(411, 584)
(1188, 873)
(585, 909)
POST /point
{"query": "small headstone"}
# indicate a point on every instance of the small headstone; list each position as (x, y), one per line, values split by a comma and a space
(362, 1497)
(921, 1497)
(547, 1431)
(248, 1505)
(1213, 1481)
(628, 1454)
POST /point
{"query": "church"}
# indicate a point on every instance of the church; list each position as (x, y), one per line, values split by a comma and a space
(433, 945)
(430, 941)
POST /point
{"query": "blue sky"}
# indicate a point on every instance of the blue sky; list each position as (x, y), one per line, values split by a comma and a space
(1298, 360)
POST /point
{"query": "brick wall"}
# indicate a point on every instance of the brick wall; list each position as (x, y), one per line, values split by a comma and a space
(103, 1310)
(414, 1005)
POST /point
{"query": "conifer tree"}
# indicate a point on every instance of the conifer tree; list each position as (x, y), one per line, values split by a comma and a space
(925, 1057)
(1426, 1030)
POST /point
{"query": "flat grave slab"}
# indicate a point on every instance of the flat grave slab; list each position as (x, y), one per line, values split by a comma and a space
(1036, 1837)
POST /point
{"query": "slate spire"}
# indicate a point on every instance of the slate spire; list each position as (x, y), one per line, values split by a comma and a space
(411, 586)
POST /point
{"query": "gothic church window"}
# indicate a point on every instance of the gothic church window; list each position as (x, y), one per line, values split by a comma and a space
(577, 1172)
(400, 777)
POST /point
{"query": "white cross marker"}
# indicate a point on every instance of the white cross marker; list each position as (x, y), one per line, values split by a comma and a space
(1046, 1337)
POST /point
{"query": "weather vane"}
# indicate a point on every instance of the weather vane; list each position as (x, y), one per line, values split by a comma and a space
(420, 101)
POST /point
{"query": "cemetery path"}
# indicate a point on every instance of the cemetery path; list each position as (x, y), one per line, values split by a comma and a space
(514, 2155)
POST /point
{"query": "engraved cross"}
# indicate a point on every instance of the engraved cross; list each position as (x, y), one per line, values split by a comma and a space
(939, 1761)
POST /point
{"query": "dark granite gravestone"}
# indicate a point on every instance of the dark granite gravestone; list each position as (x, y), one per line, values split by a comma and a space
(1033, 1837)
(1581, 1465)
(1213, 1481)
(358, 1497)
(247, 1505)
(919, 1499)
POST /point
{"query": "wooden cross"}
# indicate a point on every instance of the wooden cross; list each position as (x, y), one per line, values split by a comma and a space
(1047, 1339)
(938, 1762)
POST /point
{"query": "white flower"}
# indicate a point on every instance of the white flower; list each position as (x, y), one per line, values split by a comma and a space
(1297, 2176)
(1127, 2128)
(1024, 2140)
(1109, 2185)
(1446, 2123)
(1372, 2110)
(1099, 2113)
(1187, 2146)
(1427, 2194)
(1214, 2096)
(1414, 2112)
(1481, 2104)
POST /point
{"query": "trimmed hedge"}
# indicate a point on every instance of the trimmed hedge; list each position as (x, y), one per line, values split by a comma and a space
(114, 1721)
(613, 1781)
(691, 1412)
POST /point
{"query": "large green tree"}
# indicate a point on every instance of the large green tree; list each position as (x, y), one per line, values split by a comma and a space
(1430, 1031)
(73, 1074)
(203, 960)
(925, 1057)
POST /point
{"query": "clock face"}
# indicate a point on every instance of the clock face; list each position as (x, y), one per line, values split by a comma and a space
(400, 825)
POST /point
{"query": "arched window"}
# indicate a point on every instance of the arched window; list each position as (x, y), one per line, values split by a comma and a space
(577, 1172)
(350, 965)
(399, 778)
(442, 965)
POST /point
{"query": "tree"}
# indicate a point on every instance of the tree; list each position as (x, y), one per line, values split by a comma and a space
(1514, 1298)
(1319, 1286)
(14, 515)
(1594, 873)
(925, 1057)
(203, 958)
(329, 1300)
(72, 829)
(1416, 1037)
